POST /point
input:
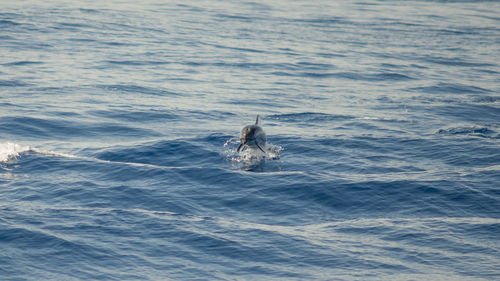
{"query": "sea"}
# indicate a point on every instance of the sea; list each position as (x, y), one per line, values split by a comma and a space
(120, 122)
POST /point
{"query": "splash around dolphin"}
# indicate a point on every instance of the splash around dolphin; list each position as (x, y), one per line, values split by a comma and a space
(253, 136)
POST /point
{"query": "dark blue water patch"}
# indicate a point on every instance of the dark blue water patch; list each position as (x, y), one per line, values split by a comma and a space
(330, 55)
(42, 244)
(9, 15)
(60, 252)
(38, 163)
(63, 114)
(434, 148)
(113, 129)
(156, 237)
(208, 115)
(481, 231)
(392, 66)
(107, 184)
(32, 238)
(383, 76)
(270, 103)
(6, 38)
(89, 11)
(37, 89)
(285, 249)
(126, 43)
(24, 45)
(260, 66)
(391, 21)
(135, 62)
(392, 76)
(71, 26)
(352, 154)
(238, 251)
(485, 99)
(131, 88)
(455, 61)
(25, 126)
(304, 65)
(422, 239)
(308, 117)
(151, 115)
(167, 152)
(469, 113)
(133, 194)
(480, 159)
(13, 83)
(309, 74)
(237, 17)
(124, 27)
(155, 115)
(451, 88)
(324, 21)
(8, 23)
(22, 63)
(450, 31)
(476, 131)
(251, 204)
(83, 40)
(369, 126)
(38, 128)
(376, 198)
(241, 49)
(8, 104)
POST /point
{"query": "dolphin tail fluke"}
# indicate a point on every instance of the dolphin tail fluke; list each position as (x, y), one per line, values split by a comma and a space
(257, 120)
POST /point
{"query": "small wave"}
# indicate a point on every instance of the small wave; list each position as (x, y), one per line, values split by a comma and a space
(371, 77)
(239, 18)
(162, 153)
(451, 88)
(308, 117)
(49, 127)
(135, 62)
(22, 63)
(249, 50)
(90, 11)
(134, 115)
(10, 151)
(13, 83)
(132, 88)
(8, 23)
(483, 132)
(486, 99)
(454, 61)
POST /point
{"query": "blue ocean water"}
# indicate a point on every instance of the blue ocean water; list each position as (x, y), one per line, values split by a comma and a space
(119, 123)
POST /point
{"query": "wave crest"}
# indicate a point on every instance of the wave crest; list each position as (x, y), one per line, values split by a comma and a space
(10, 151)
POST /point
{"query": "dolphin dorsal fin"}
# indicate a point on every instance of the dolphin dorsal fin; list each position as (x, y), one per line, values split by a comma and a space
(257, 120)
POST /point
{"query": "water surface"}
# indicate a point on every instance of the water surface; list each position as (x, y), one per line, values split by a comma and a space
(119, 124)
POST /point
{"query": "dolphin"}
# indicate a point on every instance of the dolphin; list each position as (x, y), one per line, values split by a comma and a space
(253, 136)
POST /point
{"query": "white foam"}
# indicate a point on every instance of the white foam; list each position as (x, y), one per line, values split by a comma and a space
(10, 151)
(249, 155)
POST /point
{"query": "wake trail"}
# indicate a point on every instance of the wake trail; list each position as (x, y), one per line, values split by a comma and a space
(11, 152)
(97, 160)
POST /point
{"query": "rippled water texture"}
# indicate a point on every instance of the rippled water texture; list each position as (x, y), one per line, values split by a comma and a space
(119, 124)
